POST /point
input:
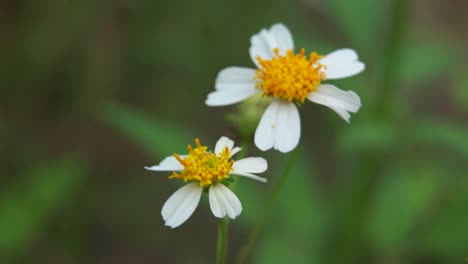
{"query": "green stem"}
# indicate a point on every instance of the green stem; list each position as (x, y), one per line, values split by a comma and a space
(223, 226)
(247, 248)
(222, 240)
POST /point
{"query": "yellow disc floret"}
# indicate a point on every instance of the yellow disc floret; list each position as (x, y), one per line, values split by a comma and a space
(290, 77)
(204, 166)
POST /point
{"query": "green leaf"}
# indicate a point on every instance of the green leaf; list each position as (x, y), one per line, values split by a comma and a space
(425, 58)
(156, 136)
(27, 203)
(447, 235)
(367, 134)
(297, 216)
(443, 134)
(360, 20)
(460, 93)
(299, 199)
(400, 200)
(279, 249)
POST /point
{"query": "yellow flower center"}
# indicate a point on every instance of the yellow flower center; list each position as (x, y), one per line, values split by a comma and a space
(204, 166)
(290, 77)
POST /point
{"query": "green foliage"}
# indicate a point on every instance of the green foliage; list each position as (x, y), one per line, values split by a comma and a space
(445, 235)
(424, 58)
(38, 191)
(157, 137)
(367, 134)
(460, 93)
(279, 249)
(394, 178)
(360, 21)
(401, 199)
(442, 134)
(297, 216)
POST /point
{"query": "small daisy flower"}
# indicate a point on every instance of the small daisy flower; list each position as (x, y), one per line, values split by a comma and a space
(289, 79)
(205, 170)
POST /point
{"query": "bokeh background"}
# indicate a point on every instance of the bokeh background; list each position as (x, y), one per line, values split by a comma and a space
(93, 90)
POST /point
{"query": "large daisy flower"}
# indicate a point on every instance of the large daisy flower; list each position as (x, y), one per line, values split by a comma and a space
(205, 170)
(289, 79)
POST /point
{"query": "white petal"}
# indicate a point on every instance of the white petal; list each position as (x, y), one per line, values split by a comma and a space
(235, 150)
(279, 127)
(252, 165)
(341, 55)
(338, 100)
(283, 37)
(248, 175)
(230, 95)
(215, 204)
(181, 205)
(263, 43)
(234, 77)
(341, 63)
(264, 134)
(224, 202)
(222, 143)
(168, 164)
(233, 84)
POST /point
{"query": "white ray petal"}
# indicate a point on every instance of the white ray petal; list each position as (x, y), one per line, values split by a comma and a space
(227, 76)
(168, 164)
(224, 202)
(288, 129)
(283, 37)
(261, 44)
(340, 55)
(248, 175)
(251, 165)
(264, 134)
(222, 143)
(234, 77)
(215, 204)
(235, 150)
(338, 100)
(341, 63)
(264, 42)
(232, 85)
(230, 96)
(279, 127)
(181, 205)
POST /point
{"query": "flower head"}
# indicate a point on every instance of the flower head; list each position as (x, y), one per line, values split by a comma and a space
(289, 79)
(204, 169)
(203, 166)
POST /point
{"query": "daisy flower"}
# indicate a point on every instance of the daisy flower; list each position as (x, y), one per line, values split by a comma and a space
(205, 170)
(289, 79)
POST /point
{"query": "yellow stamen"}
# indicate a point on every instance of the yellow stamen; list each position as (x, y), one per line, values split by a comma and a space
(290, 77)
(204, 166)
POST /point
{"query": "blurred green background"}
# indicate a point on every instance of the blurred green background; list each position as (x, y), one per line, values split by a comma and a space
(93, 90)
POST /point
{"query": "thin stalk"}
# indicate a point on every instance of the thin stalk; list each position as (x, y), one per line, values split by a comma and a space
(246, 250)
(223, 226)
(222, 240)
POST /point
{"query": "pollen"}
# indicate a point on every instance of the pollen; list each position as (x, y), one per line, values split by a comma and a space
(290, 77)
(204, 166)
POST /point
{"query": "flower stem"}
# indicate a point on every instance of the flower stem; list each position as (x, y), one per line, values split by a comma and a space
(222, 240)
(223, 226)
(247, 248)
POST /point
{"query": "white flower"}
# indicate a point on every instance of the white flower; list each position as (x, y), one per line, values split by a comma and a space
(204, 169)
(289, 79)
